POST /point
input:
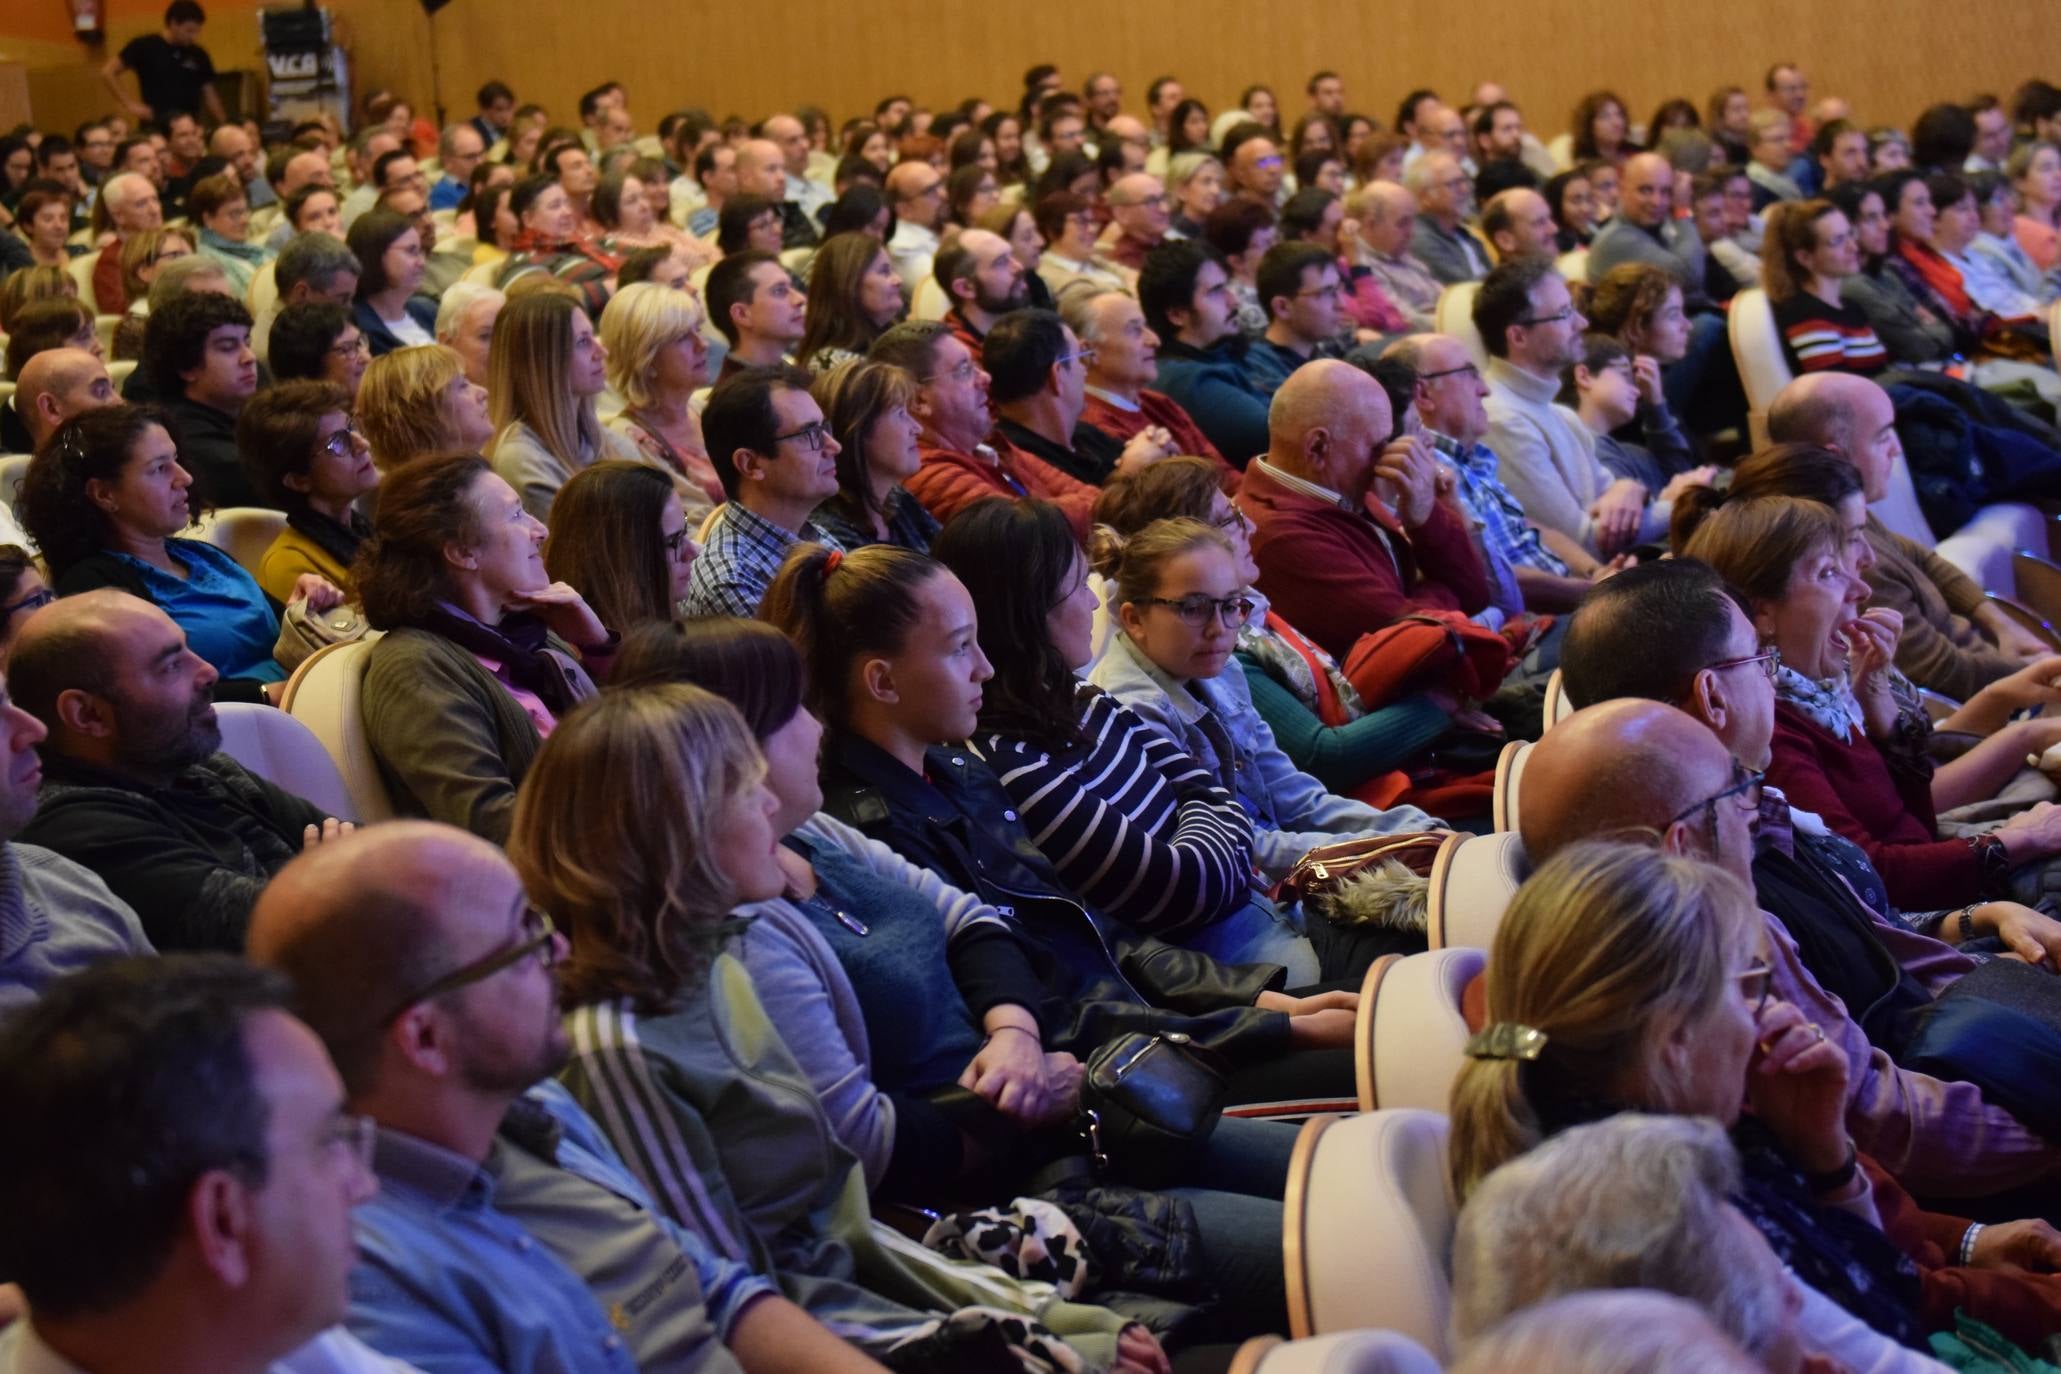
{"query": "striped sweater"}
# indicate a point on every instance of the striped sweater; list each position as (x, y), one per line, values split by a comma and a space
(1134, 824)
(1817, 337)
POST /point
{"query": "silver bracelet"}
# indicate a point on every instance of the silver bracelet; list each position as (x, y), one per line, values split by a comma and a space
(1968, 1243)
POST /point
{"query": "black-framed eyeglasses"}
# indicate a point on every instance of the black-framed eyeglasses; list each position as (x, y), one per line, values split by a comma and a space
(1534, 321)
(811, 434)
(673, 542)
(1466, 370)
(1196, 610)
(539, 939)
(1756, 982)
(1232, 519)
(1747, 785)
(1770, 660)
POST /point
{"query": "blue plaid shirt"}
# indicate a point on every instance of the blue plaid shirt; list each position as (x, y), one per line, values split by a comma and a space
(1504, 530)
(737, 564)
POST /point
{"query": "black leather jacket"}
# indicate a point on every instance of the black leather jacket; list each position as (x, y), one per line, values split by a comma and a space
(1101, 979)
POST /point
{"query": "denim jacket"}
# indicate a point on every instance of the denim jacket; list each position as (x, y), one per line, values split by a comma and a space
(451, 1284)
(1214, 719)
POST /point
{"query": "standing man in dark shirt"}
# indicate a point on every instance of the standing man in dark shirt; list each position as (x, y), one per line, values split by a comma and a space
(174, 73)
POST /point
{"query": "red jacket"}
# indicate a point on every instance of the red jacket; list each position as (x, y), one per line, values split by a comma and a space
(1158, 408)
(1333, 575)
(109, 297)
(948, 482)
(1882, 804)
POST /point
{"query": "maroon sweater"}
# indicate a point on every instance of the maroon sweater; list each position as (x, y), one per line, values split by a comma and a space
(1335, 574)
(1881, 803)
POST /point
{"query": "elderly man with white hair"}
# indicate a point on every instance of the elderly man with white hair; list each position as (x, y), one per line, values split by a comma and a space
(132, 206)
(465, 324)
(1385, 219)
(1139, 218)
(1638, 1201)
(1445, 200)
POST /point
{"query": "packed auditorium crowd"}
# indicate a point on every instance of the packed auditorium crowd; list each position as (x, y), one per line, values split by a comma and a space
(704, 743)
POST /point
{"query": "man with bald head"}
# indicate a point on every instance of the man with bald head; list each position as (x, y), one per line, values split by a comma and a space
(132, 207)
(1645, 230)
(1519, 221)
(1253, 165)
(1385, 216)
(1445, 199)
(418, 960)
(1440, 129)
(762, 171)
(230, 143)
(54, 385)
(1855, 418)
(135, 787)
(1138, 209)
(984, 281)
(785, 132)
(1631, 766)
(916, 192)
(1353, 528)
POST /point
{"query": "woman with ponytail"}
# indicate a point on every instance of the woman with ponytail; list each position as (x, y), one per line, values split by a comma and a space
(1626, 979)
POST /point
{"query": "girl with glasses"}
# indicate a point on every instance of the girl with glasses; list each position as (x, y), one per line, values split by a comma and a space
(306, 457)
(22, 593)
(1180, 597)
(1137, 826)
(619, 534)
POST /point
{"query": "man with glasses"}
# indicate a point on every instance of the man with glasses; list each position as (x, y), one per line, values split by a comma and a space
(135, 786)
(1551, 571)
(1671, 632)
(507, 1233)
(1253, 166)
(1299, 289)
(916, 191)
(206, 1221)
(1138, 208)
(963, 462)
(1533, 334)
(96, 145)
(1038, 377)
(777, 463)
(1445, 199)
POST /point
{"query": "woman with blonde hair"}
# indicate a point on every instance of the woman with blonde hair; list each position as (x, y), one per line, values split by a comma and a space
(620, 537)
(465, 322)
(657, 360)
(866, 405)
(547, 368)
(25, 286)
(653, 992)
(854, 295)
(1624, 978)
(418, 403)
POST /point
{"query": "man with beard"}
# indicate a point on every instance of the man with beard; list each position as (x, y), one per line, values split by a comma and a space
(134, 787)
(984, 281)
(506, 1233)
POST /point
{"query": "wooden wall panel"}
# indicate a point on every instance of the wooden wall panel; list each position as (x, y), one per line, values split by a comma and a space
(1889, 57)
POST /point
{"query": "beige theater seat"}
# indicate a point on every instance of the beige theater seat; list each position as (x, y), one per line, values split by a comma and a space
(12, 469)
(285, 753)
(1471, 884)
(1574, 264)
(324, 694)
(242, 532)
(1757, 349)
(1348, 1352)
(1509, 772)
(1454, 316)
(1410, 1031)
(1367, 1227)
(1558, 707)
(931, 302)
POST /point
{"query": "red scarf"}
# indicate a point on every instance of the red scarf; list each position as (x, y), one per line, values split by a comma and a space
(1943, 277)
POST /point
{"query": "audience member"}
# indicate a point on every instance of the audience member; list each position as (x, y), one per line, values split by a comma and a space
(218, 205)
(390, 311)
(1242, 230)
(452, 1089)
(1646, 230)
(620, 538)
(548, 241)
(1615, 1331)
(984, 280)
(853, 296)
(547, 368)
(1387, 218)
(657, 359)
(196, 350)
(316, 341)
(1037, 374)
(51, 387)
(775, 456)
(418, 403)
(1444, 192)
(478, 660)
(1184, 292)
(1299, 289)
(1069, 225)
(1615, 383)
(916, 197)
(962, 461)
(134, 786)
(207, 1217)
(1122, 354)
(758, 308)
(866, 407)
(465, 323)
(305, 456)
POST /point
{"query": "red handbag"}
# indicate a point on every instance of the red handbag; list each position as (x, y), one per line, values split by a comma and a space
(1427, 650)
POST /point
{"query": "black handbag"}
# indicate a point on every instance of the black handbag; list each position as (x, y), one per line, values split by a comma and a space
(1154, 1100)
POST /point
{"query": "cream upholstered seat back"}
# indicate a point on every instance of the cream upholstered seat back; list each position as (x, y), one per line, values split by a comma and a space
(1348, 1352)
(325, 694)
(1471, 884)
(1411, 1029)
(1757, 349)
(1454, 316)
(1367, 1223)
(242, 532)
(284, 752)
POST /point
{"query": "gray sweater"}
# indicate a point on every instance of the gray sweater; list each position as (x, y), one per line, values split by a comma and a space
(55, 918)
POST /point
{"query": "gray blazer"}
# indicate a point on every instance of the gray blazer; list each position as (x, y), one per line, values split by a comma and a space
(1445, 254)
(1678, 249)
